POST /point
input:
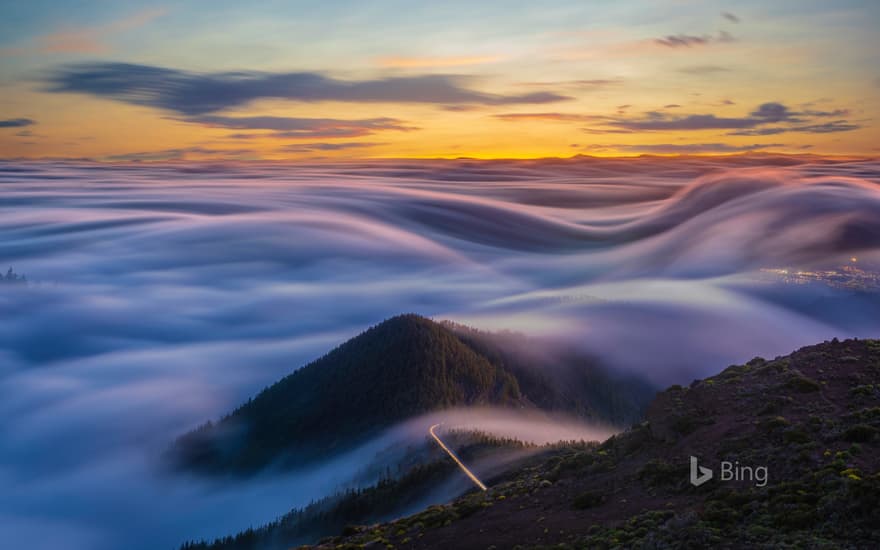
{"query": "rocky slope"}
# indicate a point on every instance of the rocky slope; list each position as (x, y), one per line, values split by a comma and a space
(811, 419)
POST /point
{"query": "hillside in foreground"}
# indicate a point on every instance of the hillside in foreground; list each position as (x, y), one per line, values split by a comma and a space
(425, 476)
(401, 368)
(811, 418)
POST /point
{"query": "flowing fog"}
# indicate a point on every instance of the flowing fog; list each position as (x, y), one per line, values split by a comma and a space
(164, 295)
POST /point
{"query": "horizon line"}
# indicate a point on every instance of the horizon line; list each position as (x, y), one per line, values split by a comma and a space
(339, 160)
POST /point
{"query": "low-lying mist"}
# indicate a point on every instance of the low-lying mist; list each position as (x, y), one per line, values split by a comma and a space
(161, 296)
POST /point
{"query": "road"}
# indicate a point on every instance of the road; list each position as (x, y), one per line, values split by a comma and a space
(461, 465)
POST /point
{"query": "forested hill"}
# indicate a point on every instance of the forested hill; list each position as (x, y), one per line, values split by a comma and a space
(557, 377)
(403, 367)
(400, 368)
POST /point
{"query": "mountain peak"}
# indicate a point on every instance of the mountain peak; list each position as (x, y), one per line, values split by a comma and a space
(402, 367)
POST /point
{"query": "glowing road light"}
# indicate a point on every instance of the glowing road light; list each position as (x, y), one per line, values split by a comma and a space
(461, 465)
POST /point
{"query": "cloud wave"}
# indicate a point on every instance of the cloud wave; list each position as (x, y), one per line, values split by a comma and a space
(164, 295)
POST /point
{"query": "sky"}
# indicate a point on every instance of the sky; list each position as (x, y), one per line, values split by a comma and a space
(224, 80)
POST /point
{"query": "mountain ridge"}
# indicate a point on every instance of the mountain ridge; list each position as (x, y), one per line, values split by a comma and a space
(398, 369)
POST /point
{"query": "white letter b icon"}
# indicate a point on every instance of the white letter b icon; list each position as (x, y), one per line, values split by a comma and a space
(699, 474)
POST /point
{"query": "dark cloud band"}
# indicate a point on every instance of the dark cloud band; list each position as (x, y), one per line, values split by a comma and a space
(767, 119)
(689, 40)
(16, 122)
(311, 128)
(191, 93)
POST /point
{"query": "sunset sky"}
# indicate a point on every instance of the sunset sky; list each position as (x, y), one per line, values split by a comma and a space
(127, 80)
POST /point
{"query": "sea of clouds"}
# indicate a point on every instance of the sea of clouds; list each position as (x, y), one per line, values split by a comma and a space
(162, 295)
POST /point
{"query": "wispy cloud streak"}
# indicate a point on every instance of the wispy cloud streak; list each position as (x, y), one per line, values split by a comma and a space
(191, 93)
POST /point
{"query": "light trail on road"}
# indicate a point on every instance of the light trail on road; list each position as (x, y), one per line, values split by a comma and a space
(461, 465)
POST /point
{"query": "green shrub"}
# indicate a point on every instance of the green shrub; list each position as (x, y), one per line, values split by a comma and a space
(587, 499)
(796, 436)
(860, 433)
(686, 424)
(658, 472)
(775, 423)
(803, 384)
